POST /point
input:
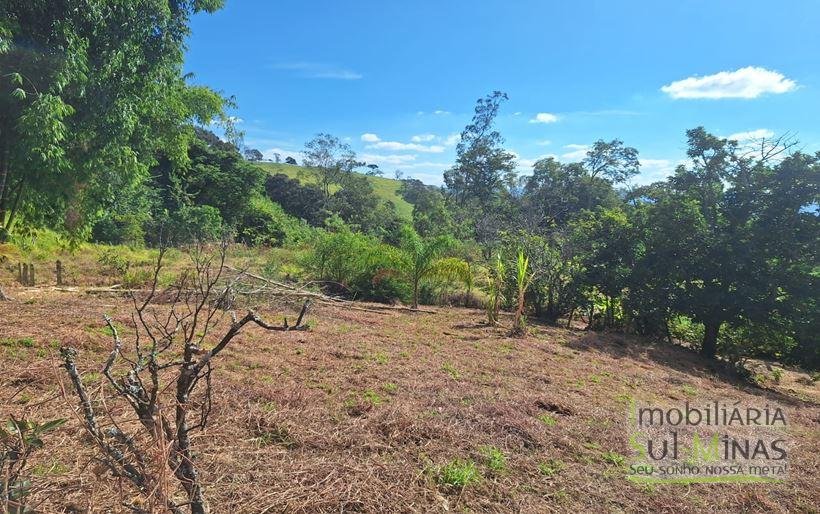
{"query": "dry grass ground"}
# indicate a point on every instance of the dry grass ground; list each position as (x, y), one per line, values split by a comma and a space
(360, 412)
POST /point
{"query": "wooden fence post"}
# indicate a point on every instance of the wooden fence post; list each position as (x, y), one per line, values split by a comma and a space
(59, 272)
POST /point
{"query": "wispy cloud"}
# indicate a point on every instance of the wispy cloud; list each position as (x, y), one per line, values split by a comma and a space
(748, 82)
(543, 142)
(525, 164)
(423, 138)
(576, 152)
(544, 117)
(283, 154)
(376, 143)
(315, 70)
(388, 160)
(399, 146)
(752, 135)
(452, 139)
(655, 170)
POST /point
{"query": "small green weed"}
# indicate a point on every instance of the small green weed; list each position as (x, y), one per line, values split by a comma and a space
(551, 467)
(451, 370)
(494, 458)
(458, 473)
(613, 458)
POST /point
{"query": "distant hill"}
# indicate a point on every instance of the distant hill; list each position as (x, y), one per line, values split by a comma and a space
(385, 188)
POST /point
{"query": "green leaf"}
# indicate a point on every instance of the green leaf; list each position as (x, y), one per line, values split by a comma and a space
(19, 94)
(49, 426)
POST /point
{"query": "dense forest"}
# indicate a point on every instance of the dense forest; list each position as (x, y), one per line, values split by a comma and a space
(102, 138)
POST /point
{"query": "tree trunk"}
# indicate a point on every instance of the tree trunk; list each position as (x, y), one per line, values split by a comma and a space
(415, 294)
(711, 330)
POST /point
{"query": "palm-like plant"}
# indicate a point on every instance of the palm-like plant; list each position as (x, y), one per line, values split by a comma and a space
(523, 279)
(454, 269)
(422, 256)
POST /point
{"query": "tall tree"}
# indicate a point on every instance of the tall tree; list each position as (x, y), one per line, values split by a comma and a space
(330, 161)
(90, 92)
(482, 165)
(612, 160)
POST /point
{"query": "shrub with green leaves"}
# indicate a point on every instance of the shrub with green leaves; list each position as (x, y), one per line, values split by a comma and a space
(19, 439)
(355, 264)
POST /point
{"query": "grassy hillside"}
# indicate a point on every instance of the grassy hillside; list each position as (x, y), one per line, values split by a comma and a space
(385, 188)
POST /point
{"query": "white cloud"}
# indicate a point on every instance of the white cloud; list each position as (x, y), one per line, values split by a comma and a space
(236, 119)
(283, 154)
(543, 142)
(452, 140)
(397, 146)
(544, 117)
(656, 170)
(748, 82)
(525, 164)
(440, 112)
(387, 160)
(752, 135)
(376, 143)
(517, 113)
(576, 152)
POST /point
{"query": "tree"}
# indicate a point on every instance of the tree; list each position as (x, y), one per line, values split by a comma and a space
(607, 246)
(90, 93)
(374, 170)
(277, 157)
(731, 239)
(252, 154)
(555, 193)
(290, 160)
(612, 160)
(304, 201)
(330, 161)
(430, 214)
(421, 256)
(482, 165)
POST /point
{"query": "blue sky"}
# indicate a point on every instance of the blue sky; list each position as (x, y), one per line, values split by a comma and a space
(398, 80)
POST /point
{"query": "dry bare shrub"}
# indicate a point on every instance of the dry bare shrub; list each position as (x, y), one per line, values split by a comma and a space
(162, 383)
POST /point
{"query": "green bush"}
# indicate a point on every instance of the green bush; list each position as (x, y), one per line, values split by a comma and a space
(118, 229)
(684, 329)
(264, 223)
(355, 264)
(195, 223)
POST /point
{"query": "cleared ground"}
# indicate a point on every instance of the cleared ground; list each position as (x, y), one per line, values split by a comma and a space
(360, 412)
